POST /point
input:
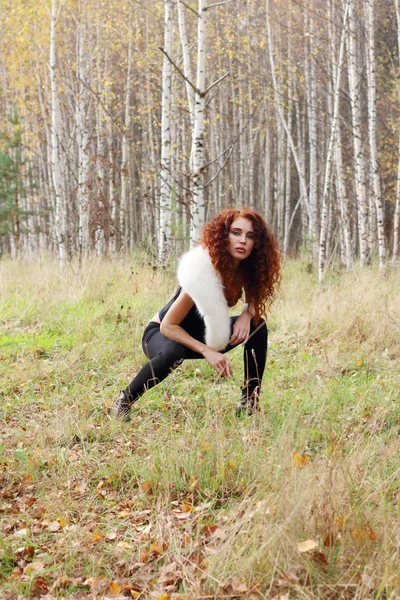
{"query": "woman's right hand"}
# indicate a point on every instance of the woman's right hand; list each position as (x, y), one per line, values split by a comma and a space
(219, 362)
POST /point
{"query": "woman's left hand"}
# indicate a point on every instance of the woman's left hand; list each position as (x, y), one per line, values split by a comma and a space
(241, 329)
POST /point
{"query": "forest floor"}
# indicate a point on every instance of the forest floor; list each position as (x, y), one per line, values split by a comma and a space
(187, 501)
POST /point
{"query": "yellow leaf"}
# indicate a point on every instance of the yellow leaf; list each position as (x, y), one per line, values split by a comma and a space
(230, 466)
(145, 485)
(115, 589)
(96, 538)
(164, 597)
(359, 363)
(186, 507)
(307, 546)
(124, 545)
(300, 460)
(155, 549)
(205, 447)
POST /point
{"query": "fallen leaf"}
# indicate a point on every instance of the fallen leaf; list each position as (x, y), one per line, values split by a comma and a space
(34, 567)
(27, 480)
(206, 447)
(300, 460)
(111, 536)
(186, 507)
(96, 538)
(155, 549)
(114, 589)
(164, 597)
(209, 529)
(329, 540)
(54, 526)
(307, 546)
(39, 586)
(145, 486)
(124, 545)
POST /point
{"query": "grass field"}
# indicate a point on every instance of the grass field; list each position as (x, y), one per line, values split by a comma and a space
(186, 501)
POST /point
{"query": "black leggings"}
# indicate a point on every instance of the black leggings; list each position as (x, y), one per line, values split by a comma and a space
(166, 354)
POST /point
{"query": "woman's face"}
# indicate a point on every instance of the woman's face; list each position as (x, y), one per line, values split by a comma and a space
(241, 239)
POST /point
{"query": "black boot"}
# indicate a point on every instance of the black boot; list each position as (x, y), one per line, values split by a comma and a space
(249, 401)
(122, 407)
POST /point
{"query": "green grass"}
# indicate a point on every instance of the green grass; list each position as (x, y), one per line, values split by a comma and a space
(186, 500)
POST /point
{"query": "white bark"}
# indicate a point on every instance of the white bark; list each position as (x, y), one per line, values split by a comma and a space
(166, 146)
(371, 77)
(303, 186)
(82, 134)
(198, 204)
(311, 84)
(396, 224)
(125, 153)
(356, 119)
(60, 217)
(329, 157)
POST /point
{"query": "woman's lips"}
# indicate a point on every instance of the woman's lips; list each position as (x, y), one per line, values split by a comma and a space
(242, 250)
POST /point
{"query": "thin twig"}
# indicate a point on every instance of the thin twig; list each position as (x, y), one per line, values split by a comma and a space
(215, 83)
(180, 71)
(217, 4)
(189, 7)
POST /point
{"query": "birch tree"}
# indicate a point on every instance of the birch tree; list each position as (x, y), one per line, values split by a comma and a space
(371, 77)
(82, 130)
(330, 152)
(396, 223)
(166, 146)
(56, 173)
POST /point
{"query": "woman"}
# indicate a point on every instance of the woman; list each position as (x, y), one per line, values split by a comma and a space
(237, 252)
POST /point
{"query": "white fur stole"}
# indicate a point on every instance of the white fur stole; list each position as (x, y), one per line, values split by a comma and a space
(198, 278)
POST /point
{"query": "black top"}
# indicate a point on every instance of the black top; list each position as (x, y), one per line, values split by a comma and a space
(193, 323)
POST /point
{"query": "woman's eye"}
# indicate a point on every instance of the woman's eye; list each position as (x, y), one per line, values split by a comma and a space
(235, 232)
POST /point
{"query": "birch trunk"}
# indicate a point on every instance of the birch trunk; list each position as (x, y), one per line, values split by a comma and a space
(60, 217)
(125, 153)
(312, 134)
(356, 119)
(396, 223)
(303, 186)
(329, 157)
(376, 185)
(198, 202)
(166, 146)
(82, 134)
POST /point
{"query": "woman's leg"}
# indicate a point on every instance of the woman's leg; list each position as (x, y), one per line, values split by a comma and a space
(164, 354)
(254, 357)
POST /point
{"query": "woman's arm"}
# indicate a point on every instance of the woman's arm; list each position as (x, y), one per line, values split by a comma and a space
(241, 329)
(170, 327)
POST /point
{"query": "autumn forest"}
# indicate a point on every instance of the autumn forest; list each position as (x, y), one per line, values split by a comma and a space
(129, 123)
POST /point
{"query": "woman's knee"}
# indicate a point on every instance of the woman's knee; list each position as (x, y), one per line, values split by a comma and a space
(172, 355)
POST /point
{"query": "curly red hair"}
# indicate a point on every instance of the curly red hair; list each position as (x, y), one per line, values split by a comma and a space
(259, 274)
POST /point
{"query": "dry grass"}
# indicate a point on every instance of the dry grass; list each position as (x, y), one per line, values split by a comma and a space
(186, 501)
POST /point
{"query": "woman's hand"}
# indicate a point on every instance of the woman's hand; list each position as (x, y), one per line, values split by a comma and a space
(219, 362)
(241, 329)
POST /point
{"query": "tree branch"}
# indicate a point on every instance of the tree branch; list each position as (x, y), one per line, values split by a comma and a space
(217, 4)
(181, 73)
(215, 83)
(189, 7)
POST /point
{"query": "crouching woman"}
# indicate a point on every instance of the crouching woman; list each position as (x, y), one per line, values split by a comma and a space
(237, 253)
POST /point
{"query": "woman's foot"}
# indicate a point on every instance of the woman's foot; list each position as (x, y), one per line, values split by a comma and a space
(249, 402)
(122, 407)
